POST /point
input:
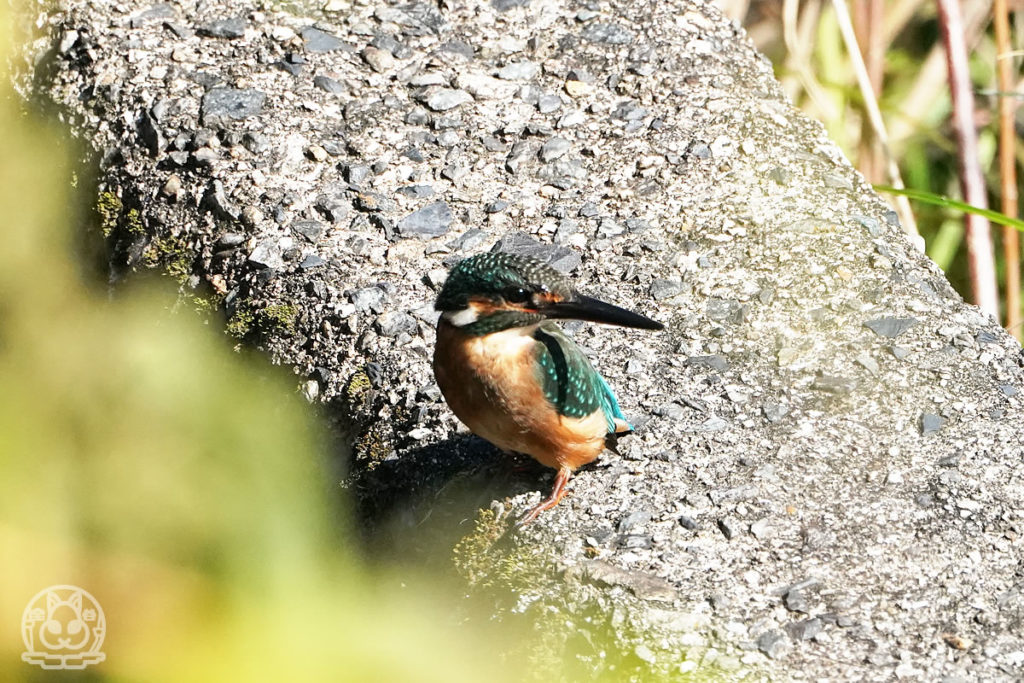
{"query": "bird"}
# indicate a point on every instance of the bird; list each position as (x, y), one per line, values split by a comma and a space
(513, 376)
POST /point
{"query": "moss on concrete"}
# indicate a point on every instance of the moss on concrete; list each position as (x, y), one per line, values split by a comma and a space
(275, 319)
(489, 558)
(204, 305)
(372, 446)
(133, 222)
(574, 630)
(173, 253)
(241, 323)
(112, 215)
(280, 318)
(108, 208)
(358, 391)
(372, 439)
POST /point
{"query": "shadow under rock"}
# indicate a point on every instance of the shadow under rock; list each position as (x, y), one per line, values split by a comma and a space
(428, 499)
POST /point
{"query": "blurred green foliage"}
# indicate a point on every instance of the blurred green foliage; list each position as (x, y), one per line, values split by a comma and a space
(182, 484)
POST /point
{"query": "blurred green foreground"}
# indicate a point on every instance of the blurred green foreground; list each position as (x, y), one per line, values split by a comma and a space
(144, 461)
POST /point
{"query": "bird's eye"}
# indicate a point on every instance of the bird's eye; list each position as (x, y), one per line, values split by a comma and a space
(517, 295)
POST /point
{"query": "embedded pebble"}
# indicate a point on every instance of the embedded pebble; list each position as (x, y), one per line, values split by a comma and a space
(172, 187)
(645, 653)
(795, 601)
(665, 289)
(774, 412)
(518, 71)
(773, 643)
(221, 104)
(931, 423)
(311, 261)
(554, 148)
(761, 529)
(378, 60)
(713, 362)
(267, 254)
(673, 411)
(482, 86)
(834, 384)
(393, 323)
(328, 84)
(233, 27)
(571, 119)
(316, 153)
(548, 104)
(430, 221)
(445, 99)
(311, 230)
(416, 191)
(321, 41)
(868, 363)
(890, 327)
(729, 527)
(610, 34)
(804, 630)
(368, 299)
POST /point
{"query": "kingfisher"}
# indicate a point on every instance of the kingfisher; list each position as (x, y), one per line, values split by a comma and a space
(513, 376)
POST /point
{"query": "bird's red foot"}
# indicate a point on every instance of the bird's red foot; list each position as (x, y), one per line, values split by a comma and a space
(551, 501)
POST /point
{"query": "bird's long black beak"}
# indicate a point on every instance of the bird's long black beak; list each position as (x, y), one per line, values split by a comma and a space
(585, 308)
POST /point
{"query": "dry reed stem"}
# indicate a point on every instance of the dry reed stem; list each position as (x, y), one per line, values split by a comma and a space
(797, 32)
(980, 258)
(867, 23)
(932, 77)
(874, 114)
(1008, 166)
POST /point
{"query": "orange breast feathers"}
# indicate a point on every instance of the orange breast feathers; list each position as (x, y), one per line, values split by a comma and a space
(492, 384)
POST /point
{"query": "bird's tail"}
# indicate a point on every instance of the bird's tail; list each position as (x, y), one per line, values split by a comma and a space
(612, 412)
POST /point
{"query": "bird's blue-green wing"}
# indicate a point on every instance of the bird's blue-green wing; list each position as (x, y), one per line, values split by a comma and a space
(570, 382)
(610, 406)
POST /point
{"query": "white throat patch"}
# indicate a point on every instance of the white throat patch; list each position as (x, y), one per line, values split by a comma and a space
(467, 316)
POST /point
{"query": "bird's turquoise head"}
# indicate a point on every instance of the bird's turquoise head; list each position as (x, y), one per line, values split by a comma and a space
(496, 291)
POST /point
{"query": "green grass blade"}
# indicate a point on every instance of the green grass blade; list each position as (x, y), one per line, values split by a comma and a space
(939, 200)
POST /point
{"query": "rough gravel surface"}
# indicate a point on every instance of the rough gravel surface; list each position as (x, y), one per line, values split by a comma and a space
(826, 481)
